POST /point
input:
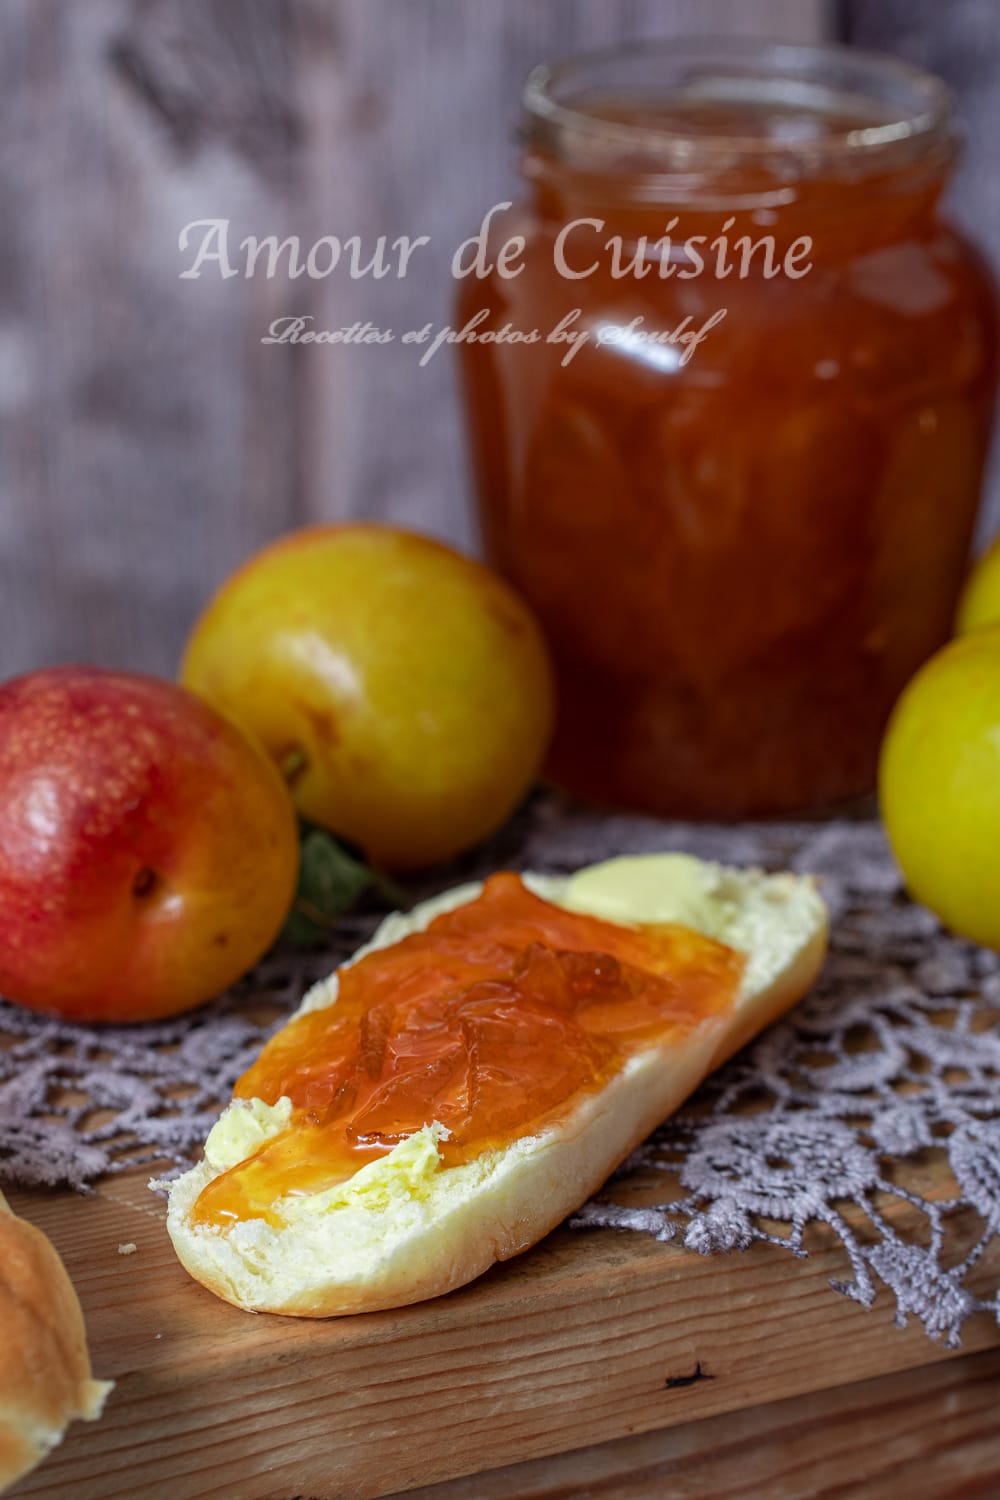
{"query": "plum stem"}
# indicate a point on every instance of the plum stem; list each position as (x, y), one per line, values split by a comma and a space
(293, 764)
(145, 882)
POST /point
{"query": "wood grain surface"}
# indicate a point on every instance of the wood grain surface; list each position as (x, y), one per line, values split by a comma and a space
(589, 1338)
(148, 441)
(926, 1434)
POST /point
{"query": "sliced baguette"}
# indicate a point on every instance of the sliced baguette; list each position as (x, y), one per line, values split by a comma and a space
(405, 1228)
(45, 1380)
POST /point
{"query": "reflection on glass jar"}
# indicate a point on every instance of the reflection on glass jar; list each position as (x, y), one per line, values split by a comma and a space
(742, 550)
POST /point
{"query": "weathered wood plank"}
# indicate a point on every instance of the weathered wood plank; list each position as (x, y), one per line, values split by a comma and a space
(134, 468)
(925, 1434)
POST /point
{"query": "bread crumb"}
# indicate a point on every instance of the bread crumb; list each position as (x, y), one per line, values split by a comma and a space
(128, 1249)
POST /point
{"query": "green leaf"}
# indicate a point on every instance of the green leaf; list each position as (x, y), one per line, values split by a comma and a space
(332, 879)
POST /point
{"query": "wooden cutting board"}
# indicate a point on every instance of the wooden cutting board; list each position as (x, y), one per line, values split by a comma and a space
(589, 1337)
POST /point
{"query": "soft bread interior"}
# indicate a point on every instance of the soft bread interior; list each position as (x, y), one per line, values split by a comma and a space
(45, 1379)
(404, 1228)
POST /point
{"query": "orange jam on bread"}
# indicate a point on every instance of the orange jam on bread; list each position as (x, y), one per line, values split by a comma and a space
(490, 1023)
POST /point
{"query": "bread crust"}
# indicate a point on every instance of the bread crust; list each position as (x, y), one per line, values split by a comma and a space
(527, 1188)
(45, 1377)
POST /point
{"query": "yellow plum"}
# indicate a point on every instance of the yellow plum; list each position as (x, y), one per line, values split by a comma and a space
(404, 690)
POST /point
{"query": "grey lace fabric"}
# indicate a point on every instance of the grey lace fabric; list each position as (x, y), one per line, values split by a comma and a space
(871, 1113)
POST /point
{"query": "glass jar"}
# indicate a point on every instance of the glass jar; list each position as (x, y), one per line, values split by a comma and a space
(742, 505)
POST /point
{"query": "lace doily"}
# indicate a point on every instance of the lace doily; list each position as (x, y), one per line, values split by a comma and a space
(881, 1090)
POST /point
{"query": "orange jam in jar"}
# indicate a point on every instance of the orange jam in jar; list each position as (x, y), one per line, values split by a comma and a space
(742, 545)
(489, 1023)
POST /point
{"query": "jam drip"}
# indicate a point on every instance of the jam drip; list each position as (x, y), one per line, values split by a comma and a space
(490, 1023)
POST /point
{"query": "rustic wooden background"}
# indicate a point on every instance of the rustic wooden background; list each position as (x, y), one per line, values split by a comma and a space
(148, 440)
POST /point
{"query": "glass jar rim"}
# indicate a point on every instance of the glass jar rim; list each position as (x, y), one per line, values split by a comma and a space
(919, 107)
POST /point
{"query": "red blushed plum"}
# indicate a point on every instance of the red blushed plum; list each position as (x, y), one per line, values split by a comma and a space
(148, 850)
